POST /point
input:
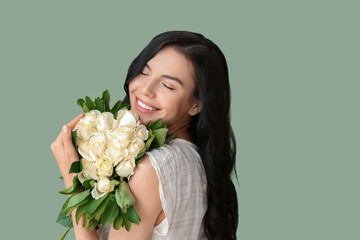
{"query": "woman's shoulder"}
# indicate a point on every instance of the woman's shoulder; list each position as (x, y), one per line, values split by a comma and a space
(176, 157)
(176, 148)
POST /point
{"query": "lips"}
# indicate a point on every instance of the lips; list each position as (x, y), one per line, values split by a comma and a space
(146, 103)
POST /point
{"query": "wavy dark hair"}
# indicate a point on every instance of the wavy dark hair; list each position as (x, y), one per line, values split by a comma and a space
(210, 128)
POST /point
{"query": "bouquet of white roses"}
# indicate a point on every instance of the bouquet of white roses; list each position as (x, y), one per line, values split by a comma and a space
(109, 142)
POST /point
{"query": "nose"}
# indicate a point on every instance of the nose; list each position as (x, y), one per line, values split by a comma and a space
(149, 87)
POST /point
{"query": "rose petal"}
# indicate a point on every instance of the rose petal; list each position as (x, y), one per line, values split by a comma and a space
(96, 194)
(127, 120)
(81, 177)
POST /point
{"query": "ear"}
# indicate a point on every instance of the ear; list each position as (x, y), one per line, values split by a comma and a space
(195, 109)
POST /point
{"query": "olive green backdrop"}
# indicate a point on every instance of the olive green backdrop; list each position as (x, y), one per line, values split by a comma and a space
(294, 72)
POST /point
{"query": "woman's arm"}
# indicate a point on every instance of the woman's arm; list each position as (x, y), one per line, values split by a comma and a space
(144, 185)
(79, 230)
(65, 154)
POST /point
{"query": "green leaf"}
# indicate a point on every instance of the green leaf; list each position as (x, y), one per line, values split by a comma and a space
(160, 136)
(118, 222)
(157, 124)
(116, 108)
(149, 125)
(76, 167)
(99, 104)
(124, 106)
(106, 99)
(93, 224)
(73, 188)
(64, 206)
(61, 177)
(111, 211)
(77, 198)
(86, 184)
(90, 103)
(64, 220)
(81, 102)
(170, 137)
(149, 141)
(96, 203)
(132, 215)
(86, 220)
(65, 233)
(127, 224)
(139, 160)
(141, 152)
(92, 97)
(86, 200)
(124, 197)
(100, 210)
(74, 138)
(140, 155)
(92, 183)
(114, 182)
(81, 210)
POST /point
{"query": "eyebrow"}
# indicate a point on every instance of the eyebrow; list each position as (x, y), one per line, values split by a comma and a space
(169, 77)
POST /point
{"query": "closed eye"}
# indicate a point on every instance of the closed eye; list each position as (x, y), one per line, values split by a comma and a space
(163, 83)
(168, 87)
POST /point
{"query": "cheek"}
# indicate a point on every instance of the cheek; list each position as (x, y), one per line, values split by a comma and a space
(135, 83)
(132, 85)
(175, 105)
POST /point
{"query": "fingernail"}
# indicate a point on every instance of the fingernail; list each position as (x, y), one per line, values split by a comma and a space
(66, 129)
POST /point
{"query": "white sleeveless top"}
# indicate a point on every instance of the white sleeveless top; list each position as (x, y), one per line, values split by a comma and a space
(182, 188)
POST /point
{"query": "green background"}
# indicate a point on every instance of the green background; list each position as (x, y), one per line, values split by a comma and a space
(294, 72)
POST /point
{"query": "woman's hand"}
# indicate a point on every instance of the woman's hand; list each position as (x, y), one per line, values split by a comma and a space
(64, 150)
(65, 154)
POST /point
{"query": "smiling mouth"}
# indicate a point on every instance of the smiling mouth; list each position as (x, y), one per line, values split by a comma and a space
(145, 106)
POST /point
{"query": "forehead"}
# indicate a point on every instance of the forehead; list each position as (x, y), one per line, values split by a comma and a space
(168, 61)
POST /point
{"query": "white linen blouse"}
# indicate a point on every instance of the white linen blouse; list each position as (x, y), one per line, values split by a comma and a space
(182, 188)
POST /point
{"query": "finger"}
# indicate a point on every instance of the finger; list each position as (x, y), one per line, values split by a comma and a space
(67, 140)
(66, 135)
(57, 146)
(71, 125)
(58, 141)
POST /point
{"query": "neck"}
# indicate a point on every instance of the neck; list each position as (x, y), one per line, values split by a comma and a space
(181, 130)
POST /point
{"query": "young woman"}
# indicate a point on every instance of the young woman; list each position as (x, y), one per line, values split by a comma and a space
(183, 189)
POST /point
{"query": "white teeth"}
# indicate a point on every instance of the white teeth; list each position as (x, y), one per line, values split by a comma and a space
(145, 106)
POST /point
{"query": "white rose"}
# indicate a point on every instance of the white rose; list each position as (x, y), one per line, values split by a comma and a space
(84, 129)
(88, 170)
(97, 143)
(126, 167)
(104, 167)
(108, 135)
(84, 149)
(126, 119)
(142, 132)
(123, 133)
(121, 113)
(101, 188)
(105, 121)
(137, 117)
(89, 117)
(136, 145)
(92, 116)
(116, 152)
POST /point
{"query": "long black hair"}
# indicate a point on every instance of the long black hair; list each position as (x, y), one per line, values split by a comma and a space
(210, 128)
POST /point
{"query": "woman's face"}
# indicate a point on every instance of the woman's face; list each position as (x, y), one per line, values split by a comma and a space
(166, 84)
